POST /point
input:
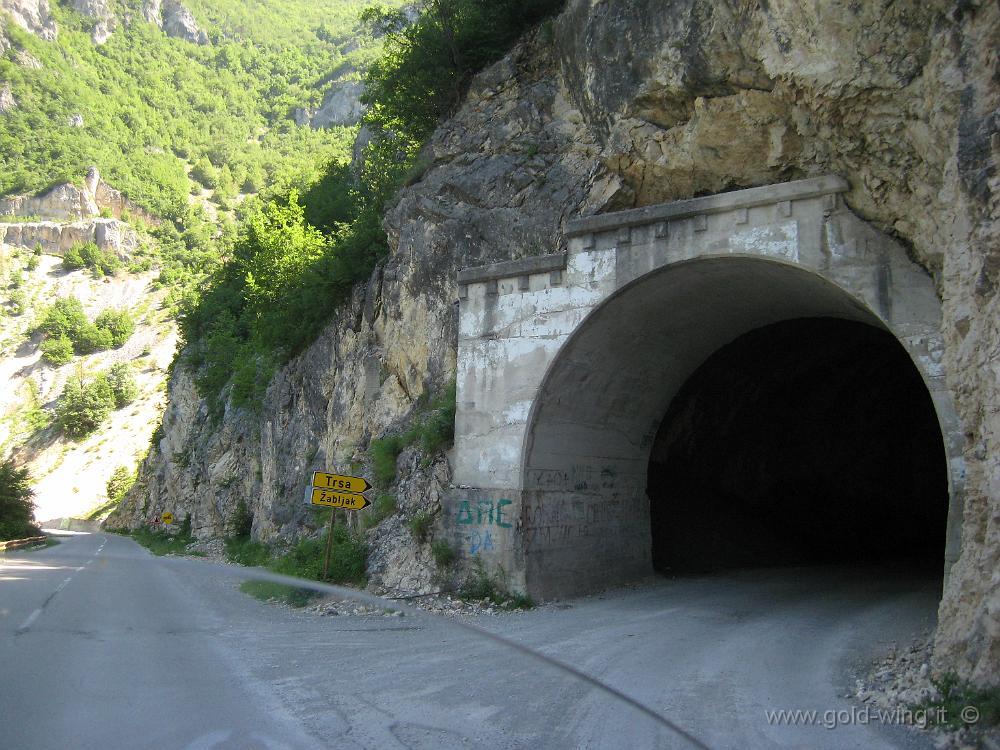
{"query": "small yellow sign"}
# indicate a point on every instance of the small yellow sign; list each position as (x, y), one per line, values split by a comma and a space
(167, 518)
(345, 500)
(340, 482)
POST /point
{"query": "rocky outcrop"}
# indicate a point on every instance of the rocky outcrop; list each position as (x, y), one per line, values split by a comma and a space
(100, 11)
(31, 15)
(67, 202)
(623, 104)
(55, 238)
(175, 20)
(7, 100)
(341, 105)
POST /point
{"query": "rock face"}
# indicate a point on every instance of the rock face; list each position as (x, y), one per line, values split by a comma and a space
(31, 15)
(175, 20)
(341, 105)
(67, 202)
(56, 239)
(623, 104)
(7, 101)
(101, 13)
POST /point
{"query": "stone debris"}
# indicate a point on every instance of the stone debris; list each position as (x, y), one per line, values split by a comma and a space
(446, 605)
(903, 680)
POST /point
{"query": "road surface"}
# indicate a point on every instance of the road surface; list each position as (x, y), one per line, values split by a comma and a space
(104, 646)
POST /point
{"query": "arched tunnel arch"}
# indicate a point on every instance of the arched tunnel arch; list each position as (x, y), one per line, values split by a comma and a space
(767, 346)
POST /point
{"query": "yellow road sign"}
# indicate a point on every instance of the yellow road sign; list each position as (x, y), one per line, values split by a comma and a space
(345, 500)
(340, 482)
(167, 517)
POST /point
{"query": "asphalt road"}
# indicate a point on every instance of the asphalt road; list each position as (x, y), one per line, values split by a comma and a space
(104, 646)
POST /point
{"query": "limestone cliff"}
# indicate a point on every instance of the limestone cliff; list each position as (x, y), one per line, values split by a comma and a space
(621, 104)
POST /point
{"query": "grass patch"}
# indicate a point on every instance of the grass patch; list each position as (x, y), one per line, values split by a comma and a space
(244, 551)
(444, 554)
(420, 526)
(958, 696)
(160, 542)
(383, 507)
(348, 558)
(433, 430)
(101, 510)
(481, 585)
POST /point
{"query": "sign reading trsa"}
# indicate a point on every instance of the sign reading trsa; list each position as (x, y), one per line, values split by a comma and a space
(345, 500)
(340, 482)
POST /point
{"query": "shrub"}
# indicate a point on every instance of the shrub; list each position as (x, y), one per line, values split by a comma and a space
(64, 317)
(205, 173)
(444, 554)
(83, 406)
(32, 263)
(122, 383)
(17, 302)
(120, 483)
(88, 255)
(16, 503)
(244, 551)
(383, 507)
(481, 585)
(242, 521)
(90, 339)
(426, 67)
(384, 452)
(118, 323)
(57, 351)
(420, 526)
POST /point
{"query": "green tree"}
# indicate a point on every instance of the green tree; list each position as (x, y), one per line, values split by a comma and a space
(118, 323)
(64, 317)
(57, 350)
(120, 483)
(205, 173)
(83, 405)
(16, 503)
(120, 379)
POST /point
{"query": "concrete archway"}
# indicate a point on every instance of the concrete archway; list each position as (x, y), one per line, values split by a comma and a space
(568, 362)
(603, 399)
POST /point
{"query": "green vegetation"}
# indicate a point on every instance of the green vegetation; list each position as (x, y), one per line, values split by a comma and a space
(296, 255)
(161, 542)
(481, 585)
(432, 429)
(150, 103)
(16, 504)
(956, 696)
(444, 554)
(420, 526)
(65, 320)
(88, 255)
(57, 350)
(348, 556)
(119, 484)
(426, 68)
(244, 551)
(85, 404)
(118, 323)
(122, 383)
(383, 507)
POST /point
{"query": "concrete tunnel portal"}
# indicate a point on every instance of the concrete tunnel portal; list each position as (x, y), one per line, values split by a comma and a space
(707, 410)
(741, 411)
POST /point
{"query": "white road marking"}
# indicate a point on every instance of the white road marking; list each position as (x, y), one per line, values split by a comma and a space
(31, 619)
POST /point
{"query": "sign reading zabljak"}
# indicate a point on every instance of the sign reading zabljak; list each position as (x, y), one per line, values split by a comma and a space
(336, 491)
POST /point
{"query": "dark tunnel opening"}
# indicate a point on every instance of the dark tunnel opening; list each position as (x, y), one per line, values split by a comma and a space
(809, 441)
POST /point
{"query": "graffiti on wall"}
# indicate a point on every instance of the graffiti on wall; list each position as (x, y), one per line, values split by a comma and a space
(484, 516)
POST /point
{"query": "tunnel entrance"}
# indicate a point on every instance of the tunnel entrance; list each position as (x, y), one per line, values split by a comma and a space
(806, 441)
